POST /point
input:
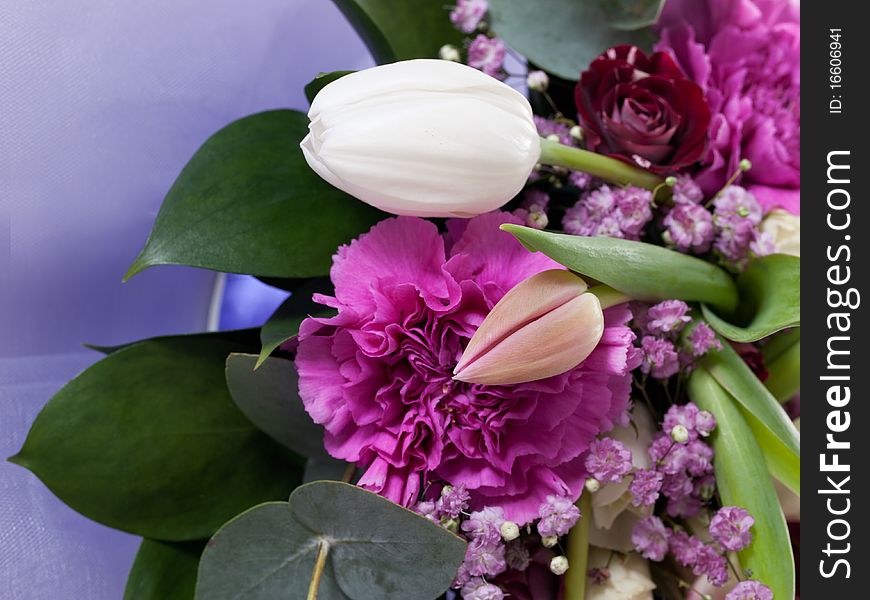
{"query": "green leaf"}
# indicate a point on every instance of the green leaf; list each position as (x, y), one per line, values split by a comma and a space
(770, 299)
(641, 271)
(243, 338)
(628, 15)
(284, 322)
(269, 397)
(321, 81)
(783, 359)
(401, 30)
(164, 571)
(374, 549)
(247, 202)
(742, 479)
(560, 36)
(148, 441)
(775, 432)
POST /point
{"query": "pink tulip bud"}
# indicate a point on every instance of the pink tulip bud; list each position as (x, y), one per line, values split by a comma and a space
(544, 326)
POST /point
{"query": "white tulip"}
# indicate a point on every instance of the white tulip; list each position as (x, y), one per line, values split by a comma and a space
(785, 229)
(429, 138)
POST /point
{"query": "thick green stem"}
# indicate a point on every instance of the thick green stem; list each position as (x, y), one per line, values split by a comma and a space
(578, 551)
(608, 296)
(598, 165)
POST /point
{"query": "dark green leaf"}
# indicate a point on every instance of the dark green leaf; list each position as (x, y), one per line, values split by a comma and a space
(642, 271)
(560, 36)
(376, 549)
(269, 397)
(767, 419)
(742, 479)
(284, 322)
(770, 300)
(400, 30)
(148, 441)
(247, 202)
(164, 571)
(321, 81)
(628, 15)
(244, 338)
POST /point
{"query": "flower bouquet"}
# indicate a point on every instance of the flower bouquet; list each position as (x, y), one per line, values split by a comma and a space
(542, 339)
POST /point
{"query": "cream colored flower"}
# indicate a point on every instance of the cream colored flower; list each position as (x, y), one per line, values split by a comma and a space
(428, 138)
(785, 229)
(628, 577)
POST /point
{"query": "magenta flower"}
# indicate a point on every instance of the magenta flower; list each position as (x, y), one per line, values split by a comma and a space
(750, 590)
(378, 375)
(667, 317)
(745, 55)
(660, 358)
(608, 460)
(650, 538)
(689, 228)
(558, 515)
(487, 54)
(478, 589)
(702, 339)
(466, 15)
(730, 526)
(645, 486)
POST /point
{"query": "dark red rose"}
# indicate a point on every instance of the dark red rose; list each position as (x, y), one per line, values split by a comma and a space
(642, 109)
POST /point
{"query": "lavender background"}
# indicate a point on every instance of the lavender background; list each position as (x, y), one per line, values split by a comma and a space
(101, 104)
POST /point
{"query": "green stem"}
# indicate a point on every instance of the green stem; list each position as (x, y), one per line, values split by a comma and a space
(598, 165)
(608, 296)
(578, 551)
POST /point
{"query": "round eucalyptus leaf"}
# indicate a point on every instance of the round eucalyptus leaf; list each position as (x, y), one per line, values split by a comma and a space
(372, 547)
(561, 36)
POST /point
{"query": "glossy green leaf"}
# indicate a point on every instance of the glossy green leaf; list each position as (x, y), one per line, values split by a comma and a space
(247, 202)
(148, 441)
(321, 81)
(269, 397)
(164, 571)
(770, 300)
(560, 36)
(243, 338)
(400, 30)
(284, 322)
(374, 549)
(628, 15)
(742, 480)
(783, 359)
(773, 429)
(641, 271)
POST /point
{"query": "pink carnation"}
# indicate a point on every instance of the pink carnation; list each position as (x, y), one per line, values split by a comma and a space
(378, 375)
(745, 54)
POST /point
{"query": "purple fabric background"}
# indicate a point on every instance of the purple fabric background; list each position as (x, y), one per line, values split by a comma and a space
(101, 104)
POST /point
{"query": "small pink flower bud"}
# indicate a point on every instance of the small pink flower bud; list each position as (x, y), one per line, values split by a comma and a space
(544, 326)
